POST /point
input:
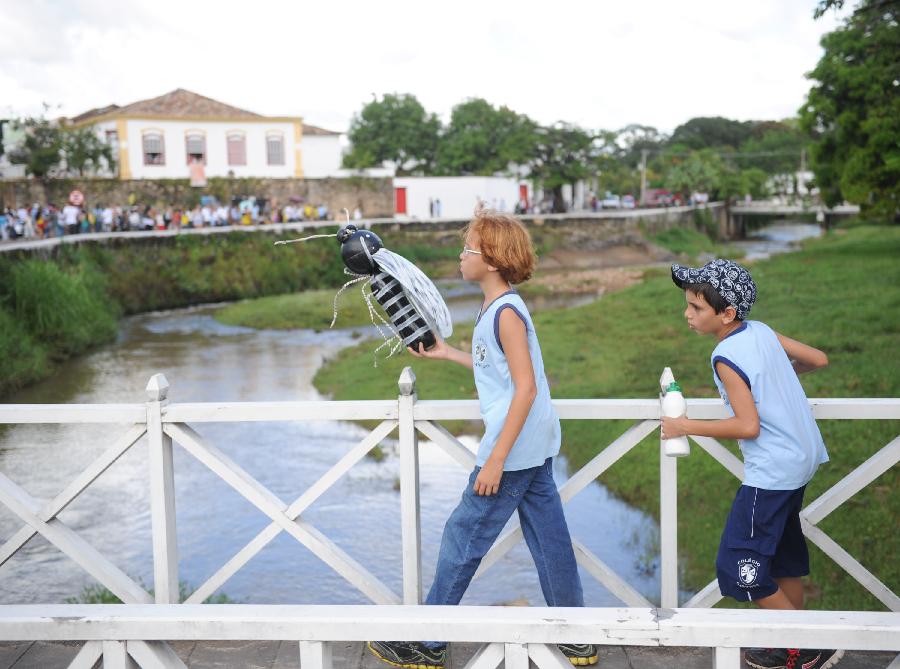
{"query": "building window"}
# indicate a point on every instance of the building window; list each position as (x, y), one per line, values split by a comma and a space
(275, 149)
(154, 148)
(237, 148)
(195, 145)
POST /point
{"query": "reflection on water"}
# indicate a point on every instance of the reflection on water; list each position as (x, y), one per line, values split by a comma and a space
(778, 237)
(207, 361)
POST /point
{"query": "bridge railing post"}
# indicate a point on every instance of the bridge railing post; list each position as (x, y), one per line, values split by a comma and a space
(162, 495)
(409, 490)
(668, 517)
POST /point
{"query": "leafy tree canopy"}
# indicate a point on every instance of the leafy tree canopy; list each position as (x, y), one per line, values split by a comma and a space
(85, 152)
(712, 131)
(485, 140)
(775, 148)
(634, 138)
(40, 149)
(700, 172)
(564, 154)
(396, 128)
(854, 108)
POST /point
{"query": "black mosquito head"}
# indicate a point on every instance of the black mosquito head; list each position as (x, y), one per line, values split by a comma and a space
(357, 249)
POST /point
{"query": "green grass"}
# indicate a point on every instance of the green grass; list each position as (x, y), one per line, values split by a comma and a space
(310, 309)
(838, 294)
(22, 360)
(68, 311)
(49, 313)
(691, 243)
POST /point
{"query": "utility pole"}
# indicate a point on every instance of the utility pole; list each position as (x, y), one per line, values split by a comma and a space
(643, 177)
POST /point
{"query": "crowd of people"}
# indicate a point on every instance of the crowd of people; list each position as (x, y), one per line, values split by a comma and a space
(43, 221)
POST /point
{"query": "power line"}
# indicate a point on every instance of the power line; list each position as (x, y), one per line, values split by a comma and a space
(726, 154)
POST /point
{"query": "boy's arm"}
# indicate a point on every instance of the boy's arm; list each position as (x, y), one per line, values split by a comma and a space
(743, 425)
(804, 358)
(442, 351)
(514, 340)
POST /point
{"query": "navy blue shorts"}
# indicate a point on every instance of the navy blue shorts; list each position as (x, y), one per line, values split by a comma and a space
(762, 541)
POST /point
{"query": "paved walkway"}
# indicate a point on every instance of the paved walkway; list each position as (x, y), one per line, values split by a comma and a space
(285, 655)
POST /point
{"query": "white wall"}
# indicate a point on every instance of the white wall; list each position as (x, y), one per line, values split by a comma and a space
(458, 195)
(321, 155)
(176, 166)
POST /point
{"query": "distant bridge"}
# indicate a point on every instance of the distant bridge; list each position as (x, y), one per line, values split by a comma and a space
(739, 214)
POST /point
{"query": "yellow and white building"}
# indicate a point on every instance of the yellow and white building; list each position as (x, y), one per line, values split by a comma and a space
(159, 138)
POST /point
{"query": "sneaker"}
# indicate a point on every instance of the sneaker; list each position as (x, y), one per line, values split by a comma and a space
(829, 658)
(408, 654)
(579, 654)
(782, 658)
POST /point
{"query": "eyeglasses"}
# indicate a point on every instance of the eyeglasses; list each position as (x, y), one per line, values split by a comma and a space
(466, 249)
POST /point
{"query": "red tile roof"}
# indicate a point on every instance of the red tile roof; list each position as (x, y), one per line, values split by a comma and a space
(181, 102)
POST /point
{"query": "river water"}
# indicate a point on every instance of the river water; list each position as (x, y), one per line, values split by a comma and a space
(207, 361)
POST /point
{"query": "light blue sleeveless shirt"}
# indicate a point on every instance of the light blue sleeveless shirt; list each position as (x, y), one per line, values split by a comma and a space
(540, 435)
(789, 447)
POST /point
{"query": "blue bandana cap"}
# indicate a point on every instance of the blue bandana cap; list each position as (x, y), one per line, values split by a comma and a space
(730, 280)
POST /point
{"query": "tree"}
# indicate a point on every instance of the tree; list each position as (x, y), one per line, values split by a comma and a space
(41, 147)
(825, 5)
(700, 172)
(85, 151)
(481, 139)
(712, 131)
(564, 154)
(776, 150)
(396, 128)
(634, 139)
(734, 183)
(854, 107)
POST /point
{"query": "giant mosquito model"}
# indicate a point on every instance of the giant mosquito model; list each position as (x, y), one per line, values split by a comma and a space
(417, 312)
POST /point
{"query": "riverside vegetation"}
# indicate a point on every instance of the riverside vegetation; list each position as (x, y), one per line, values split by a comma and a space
(834, 294)
(58, 306)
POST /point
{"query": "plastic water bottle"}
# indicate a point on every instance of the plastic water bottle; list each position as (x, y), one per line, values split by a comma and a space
(673, 406)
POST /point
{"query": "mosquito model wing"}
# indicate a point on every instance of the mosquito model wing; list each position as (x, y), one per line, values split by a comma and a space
(419, 289)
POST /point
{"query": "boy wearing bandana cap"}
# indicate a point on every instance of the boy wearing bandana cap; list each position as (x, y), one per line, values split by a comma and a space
(762, 554)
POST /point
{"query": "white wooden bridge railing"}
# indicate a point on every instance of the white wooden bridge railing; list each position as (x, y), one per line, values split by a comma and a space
(138, 631)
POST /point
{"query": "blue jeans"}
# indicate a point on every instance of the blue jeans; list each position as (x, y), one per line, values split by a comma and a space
(477, 521)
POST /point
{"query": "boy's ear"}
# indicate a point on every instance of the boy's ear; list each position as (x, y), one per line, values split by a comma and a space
(728, 315)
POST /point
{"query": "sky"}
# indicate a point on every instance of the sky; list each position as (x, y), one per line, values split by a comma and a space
(599, 64)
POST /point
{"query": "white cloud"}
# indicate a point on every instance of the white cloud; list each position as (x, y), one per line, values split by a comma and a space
(601, 64)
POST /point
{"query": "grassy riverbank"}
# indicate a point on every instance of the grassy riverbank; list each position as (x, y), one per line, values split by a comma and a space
(838, 294)
(311, 309)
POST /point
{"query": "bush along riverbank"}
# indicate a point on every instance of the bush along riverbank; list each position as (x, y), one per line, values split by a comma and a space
(837, 294)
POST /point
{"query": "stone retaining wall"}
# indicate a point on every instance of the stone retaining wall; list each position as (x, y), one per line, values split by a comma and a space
(375, 196)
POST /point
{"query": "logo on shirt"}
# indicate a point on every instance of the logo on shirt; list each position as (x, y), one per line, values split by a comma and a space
(748, 569)
(479, 354)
